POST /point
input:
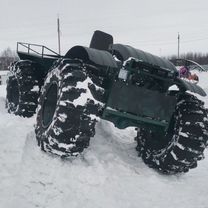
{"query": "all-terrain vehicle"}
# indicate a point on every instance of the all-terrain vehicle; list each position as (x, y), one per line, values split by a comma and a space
(114, 82)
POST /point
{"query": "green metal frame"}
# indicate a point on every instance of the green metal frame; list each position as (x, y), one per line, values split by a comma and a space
(123, 120)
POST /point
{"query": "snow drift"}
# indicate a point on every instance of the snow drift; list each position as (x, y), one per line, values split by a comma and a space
(108, 173)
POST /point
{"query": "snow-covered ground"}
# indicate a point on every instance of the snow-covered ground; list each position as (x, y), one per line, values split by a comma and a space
(108, 174)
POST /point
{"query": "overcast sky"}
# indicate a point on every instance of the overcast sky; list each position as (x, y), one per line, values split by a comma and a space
(150, 25)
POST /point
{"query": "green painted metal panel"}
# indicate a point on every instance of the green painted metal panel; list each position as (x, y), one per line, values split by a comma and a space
(146, 104)
(92, 56)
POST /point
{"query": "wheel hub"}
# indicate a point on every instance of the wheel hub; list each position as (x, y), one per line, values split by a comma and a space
(49, 105)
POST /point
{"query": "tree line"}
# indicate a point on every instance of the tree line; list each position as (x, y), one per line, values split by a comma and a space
(7, 56)
(201, 58)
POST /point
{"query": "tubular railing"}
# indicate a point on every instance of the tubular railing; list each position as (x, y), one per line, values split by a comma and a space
(30, 48)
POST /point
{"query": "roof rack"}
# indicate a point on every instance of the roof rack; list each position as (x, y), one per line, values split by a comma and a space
(36, 49)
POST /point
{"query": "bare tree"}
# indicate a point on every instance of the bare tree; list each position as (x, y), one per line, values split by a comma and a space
(6, 58)
(201, 58)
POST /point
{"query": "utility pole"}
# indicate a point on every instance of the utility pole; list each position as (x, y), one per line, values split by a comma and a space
(59, 32)
(178, 45)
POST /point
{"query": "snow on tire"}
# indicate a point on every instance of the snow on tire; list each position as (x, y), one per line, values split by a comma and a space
(67, 111)
(184, 143)
(23, 88)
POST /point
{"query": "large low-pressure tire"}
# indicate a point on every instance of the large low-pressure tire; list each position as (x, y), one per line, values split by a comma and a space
(67, 111)
(183, 145)
(23, 88)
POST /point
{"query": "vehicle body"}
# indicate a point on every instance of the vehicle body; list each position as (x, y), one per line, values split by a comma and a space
(118, 83)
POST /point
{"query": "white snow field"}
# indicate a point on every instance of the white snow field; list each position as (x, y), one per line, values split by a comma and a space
(109, 174)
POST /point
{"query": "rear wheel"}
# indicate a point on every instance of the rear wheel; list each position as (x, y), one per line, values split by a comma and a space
(23, 87)
(184, 143)
(67, 111)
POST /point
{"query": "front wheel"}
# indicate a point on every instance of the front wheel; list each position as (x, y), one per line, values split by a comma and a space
(67, 111)
(184, 142)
